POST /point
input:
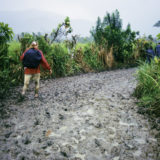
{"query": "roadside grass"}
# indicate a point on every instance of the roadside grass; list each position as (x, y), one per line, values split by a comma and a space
(148, 87)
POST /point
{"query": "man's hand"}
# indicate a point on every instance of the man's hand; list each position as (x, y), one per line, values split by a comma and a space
(50, 71)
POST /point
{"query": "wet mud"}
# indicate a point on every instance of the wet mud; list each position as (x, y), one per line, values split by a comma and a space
(86, 117)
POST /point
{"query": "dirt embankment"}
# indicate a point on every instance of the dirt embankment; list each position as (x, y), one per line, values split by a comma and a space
(86, 117)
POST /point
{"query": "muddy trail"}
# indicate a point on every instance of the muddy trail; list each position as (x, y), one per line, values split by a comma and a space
(87, 117)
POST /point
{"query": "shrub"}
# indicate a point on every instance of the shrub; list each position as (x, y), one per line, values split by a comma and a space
(60, 57)
(79, 59)
(140, 47)
(16, 68)
(148, 87)
(91, 53)
(44, 45)
(25, 39)
(6, 34)
(14, 51)
(109, 33)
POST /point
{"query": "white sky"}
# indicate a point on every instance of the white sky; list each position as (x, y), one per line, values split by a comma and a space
(141, 14)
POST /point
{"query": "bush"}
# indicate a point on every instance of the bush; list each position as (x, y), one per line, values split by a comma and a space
(25, 39)
(60, 57)
(91, 53)
(16, 68)
(140, 47)
(43, 45)
(6, 34)
(148, 87)
(14, 51)
(109, 33)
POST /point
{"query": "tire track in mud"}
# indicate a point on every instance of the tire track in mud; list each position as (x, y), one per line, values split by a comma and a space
(87, 117)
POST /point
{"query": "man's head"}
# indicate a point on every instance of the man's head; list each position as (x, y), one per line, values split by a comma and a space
(34, 44)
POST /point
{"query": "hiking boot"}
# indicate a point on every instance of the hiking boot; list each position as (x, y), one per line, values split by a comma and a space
(36, 95)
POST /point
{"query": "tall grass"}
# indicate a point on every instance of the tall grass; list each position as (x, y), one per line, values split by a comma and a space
(148, 87)
(16, 69)
(60, 57)
(106, 57)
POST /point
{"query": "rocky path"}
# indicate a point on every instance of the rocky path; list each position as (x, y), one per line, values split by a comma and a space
(86, 117)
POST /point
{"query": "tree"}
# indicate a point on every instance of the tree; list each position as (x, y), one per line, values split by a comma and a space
(158, 36)
(109, 33)
(6, 34)
(97, 32)
(25, 39)
(150, 38)
(63, 29)
(157, 24)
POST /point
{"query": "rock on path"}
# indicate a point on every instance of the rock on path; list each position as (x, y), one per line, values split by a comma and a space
(86, 117)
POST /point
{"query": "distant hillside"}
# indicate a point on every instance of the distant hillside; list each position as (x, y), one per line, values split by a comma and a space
(41, 21)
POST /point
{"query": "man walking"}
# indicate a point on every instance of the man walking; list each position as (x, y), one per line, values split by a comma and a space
(150, 54)
(157, 50)
(32, 58)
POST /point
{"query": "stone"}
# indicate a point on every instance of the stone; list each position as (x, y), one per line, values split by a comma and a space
(26, 140)
(7, 135)
(50, 143)
(44, 146)
(36, 152)
(115, 151)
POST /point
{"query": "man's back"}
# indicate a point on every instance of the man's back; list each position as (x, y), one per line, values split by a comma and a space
(32, 58)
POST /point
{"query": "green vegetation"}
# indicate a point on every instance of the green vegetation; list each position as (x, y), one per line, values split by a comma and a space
(158, 36)
(140, 47)
(148, 88)
(61, 60)
(148, 77)
(109, 47)
(6, 34)
(109, 34)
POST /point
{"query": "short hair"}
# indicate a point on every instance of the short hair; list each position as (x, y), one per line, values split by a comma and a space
(34, 44)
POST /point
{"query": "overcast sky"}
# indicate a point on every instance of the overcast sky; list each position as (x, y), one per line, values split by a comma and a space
(141, 14)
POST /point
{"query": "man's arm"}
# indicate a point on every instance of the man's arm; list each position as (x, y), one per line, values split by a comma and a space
(44, 62)
(22, 56)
